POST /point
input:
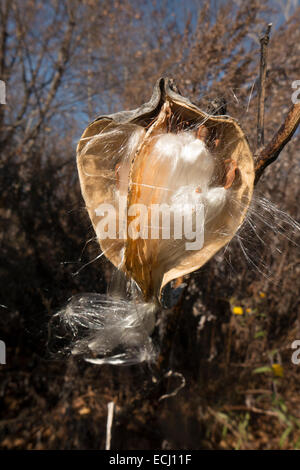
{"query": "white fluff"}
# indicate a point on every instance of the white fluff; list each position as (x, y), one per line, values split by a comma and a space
(188, 159)
(190, 168)
(117, 330)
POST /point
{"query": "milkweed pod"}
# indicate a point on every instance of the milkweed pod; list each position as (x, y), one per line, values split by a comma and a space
(167, 154)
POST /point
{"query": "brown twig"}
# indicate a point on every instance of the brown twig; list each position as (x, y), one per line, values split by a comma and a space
(171, 328)
(264, 41)
(284, 134)
(268, 154)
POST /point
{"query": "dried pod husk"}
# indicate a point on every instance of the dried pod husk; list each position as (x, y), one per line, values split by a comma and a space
(118, 159)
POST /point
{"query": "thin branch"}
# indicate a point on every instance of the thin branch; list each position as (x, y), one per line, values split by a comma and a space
(284, 134)
(177, 389)
(264, 41)
(60, 66)
(252, 409)
(30, 88)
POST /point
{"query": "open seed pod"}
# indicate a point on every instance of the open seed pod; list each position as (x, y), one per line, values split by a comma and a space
(167, 152)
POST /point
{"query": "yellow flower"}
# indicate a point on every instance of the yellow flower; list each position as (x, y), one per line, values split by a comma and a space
(262, 295)
(238, 310)
(248, 310)
(278, 370)
(84, 411)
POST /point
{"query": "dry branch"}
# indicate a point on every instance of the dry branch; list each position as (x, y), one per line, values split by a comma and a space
(264, 41)
(284, 134)
(268, 154)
